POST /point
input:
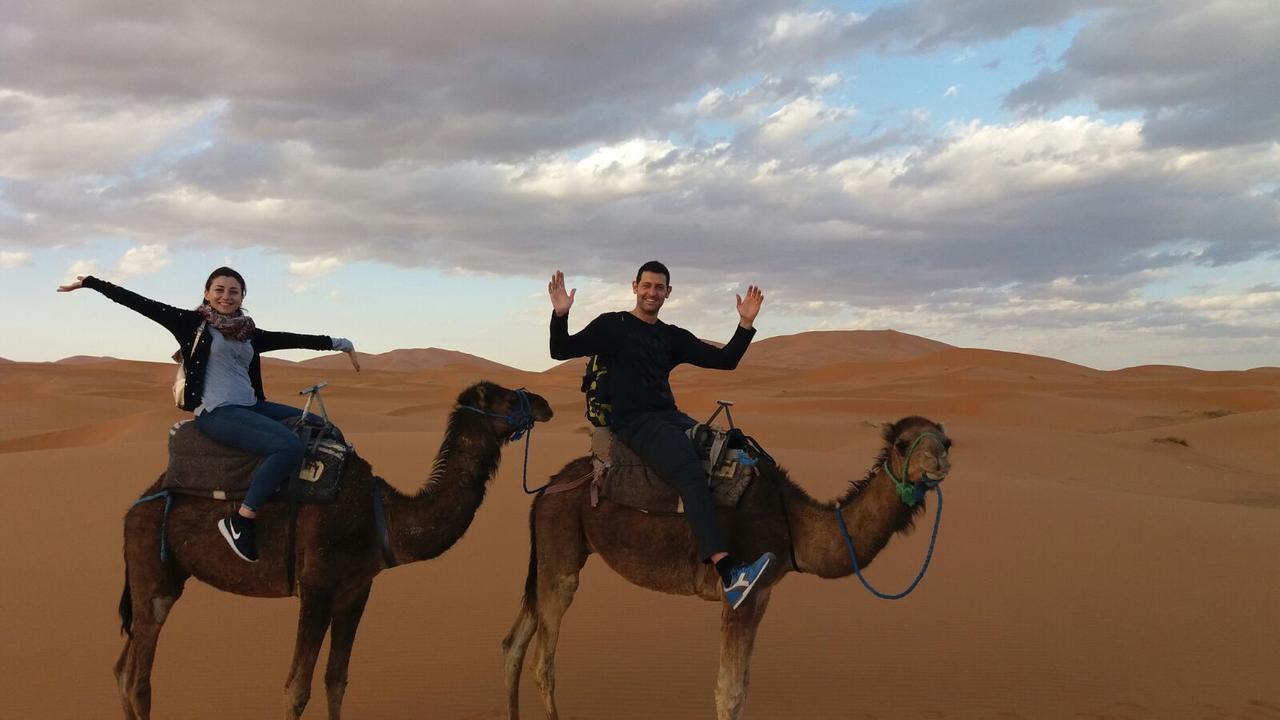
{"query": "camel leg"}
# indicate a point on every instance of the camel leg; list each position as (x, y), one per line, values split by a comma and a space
(119, 672)
(513, 650)
(153, 587)
(133, 669)
(555, 593)
(313, 622)
(737, 637)
(342, 636)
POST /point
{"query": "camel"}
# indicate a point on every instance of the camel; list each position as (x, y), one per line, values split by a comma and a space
(656, 551)
(338, 551)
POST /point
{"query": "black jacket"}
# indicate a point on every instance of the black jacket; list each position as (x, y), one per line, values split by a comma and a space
(183, 325)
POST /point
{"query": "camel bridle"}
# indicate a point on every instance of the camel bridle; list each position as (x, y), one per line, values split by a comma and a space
(911, 495)
(521, 421)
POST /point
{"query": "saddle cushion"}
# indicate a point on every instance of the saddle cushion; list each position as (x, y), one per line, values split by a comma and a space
(200, 466)
(623, 478)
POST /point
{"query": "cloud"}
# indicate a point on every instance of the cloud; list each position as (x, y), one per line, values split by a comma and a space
(385, 81)
(10, 259)
(1201, 73)
(315, 267)
(49, 136)
(791, 127)
(80, 268)
(952, 91)
(143, 260)
(498, 138)
(927, 25)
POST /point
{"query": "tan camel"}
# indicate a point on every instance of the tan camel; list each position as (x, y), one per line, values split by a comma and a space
(338, 552)
(657, 551)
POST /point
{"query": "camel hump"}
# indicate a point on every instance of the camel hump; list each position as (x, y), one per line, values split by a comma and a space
(622, 477)
(198, 465)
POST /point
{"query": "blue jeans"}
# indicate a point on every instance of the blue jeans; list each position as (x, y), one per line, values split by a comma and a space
(256, 429)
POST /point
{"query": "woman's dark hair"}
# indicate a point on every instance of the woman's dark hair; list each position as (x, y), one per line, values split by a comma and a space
(225, 271)
(654, 266)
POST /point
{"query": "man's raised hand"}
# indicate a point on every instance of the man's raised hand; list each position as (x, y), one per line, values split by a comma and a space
(560, 300)
(749, 306)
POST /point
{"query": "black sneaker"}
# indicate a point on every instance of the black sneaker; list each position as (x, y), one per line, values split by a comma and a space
(238, 532)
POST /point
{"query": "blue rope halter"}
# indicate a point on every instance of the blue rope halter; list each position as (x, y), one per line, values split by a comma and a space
(522, 421)
(911, 495)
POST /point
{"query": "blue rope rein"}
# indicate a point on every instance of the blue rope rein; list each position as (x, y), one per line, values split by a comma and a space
(911, 495)
(853, 555)
(522, 421)
(164, 519)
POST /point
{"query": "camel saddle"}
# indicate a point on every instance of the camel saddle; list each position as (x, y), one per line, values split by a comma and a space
(200, 466)
(622, 477)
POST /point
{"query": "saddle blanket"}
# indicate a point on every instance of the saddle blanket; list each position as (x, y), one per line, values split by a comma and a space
(200, 466)
(622, 477)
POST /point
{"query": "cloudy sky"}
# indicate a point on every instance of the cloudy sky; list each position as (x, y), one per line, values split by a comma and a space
(1094, 180)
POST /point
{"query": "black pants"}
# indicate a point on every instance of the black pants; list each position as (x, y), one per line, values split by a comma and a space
(659, 439)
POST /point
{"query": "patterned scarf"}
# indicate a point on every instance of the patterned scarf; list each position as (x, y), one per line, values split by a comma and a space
(233, 327)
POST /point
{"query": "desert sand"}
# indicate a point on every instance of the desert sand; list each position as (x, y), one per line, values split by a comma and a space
(1107, 547)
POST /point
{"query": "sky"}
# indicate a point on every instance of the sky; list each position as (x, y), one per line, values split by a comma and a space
(1091, 180)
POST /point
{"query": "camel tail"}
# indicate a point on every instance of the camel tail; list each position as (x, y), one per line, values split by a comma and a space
(126, 609)
(531, 580)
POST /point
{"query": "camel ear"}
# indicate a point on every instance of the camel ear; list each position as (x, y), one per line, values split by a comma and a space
(886, 431)
(942, 428)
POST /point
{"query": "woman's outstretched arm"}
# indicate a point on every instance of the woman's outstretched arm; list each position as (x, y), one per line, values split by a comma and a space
(176, 320)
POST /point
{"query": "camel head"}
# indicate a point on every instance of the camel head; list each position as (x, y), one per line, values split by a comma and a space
(925, 442)
(511, 412)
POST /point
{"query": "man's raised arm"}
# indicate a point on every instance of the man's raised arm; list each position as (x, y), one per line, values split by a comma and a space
(706, 355)
(594, 339)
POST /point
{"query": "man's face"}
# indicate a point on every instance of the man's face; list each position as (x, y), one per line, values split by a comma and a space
(651, 291)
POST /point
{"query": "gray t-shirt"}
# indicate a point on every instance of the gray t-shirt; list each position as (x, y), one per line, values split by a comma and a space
(226, 378)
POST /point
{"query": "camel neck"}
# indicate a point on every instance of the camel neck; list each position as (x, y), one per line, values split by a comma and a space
(424, 525)
(872, 514)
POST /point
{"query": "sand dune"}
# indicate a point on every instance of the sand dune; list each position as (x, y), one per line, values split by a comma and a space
(407, 360)
(1104, 550)
(824, 347)
(85, 359)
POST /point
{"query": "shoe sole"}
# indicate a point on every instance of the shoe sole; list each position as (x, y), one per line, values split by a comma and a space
(226, 534)
(746, 593)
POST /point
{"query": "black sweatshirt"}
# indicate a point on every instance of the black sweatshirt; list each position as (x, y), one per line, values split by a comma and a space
(183, 325)
(640, 357)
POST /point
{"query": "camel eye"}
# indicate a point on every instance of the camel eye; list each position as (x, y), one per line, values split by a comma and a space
(901, 445)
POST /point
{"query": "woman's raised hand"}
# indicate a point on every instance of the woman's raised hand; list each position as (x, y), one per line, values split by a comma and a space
(348, 347)
(560, 300)
(79, 283)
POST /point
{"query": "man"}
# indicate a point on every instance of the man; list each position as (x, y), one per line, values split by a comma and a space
(639, 351)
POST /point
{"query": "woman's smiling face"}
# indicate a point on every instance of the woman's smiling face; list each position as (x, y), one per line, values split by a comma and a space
(224, 294)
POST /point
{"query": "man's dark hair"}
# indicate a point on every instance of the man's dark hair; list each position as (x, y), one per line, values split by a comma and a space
(225, 271)
(654, 266)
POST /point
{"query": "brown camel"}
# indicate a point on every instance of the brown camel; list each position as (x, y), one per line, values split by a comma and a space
(338, 551)
(657, 551)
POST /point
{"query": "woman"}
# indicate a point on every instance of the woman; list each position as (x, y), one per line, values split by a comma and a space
(220, 346)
